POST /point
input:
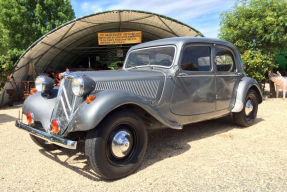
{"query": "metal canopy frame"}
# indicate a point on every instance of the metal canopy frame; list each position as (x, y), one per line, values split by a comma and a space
(63, 44)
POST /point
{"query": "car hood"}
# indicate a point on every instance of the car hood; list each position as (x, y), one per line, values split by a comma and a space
(121, 75)
(146, 84)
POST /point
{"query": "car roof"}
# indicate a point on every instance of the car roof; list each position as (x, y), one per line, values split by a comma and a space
(179, 41)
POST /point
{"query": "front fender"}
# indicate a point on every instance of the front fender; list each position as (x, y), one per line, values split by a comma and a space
(244, 85)
(88, 116)
(41, 106)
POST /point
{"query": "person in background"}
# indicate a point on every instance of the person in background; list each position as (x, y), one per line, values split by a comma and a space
(120, 66)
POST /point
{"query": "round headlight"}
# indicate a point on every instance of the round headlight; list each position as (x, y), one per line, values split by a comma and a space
(44, 84)
(78, 86)
(40, 83)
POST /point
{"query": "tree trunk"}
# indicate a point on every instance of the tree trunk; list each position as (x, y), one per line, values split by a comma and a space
(271, 85)
(272, 89)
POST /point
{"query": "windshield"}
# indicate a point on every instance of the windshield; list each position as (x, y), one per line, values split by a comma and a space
(161, 56)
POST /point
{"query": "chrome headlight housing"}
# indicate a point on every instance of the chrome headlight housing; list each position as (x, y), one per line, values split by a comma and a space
(81, 85)
(78, 86)
(44, 84)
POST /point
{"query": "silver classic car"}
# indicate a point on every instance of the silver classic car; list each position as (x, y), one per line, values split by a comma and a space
(165, 83)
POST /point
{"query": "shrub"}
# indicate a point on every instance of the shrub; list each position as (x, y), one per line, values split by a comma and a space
(257, 64)
(6, 69)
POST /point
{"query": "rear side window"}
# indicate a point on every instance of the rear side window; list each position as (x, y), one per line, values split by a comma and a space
(196, 58)
(225, 60)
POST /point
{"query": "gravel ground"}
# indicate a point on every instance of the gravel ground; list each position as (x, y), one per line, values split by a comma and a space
(215, 155)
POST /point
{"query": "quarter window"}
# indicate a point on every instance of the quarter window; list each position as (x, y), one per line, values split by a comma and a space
(225, 60)
(196, 58)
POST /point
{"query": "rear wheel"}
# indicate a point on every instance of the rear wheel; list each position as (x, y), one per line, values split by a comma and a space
(247, 115)
(42, 143)
(116, 147)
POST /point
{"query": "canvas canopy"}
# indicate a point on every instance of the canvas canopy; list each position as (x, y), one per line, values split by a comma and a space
(77, 40)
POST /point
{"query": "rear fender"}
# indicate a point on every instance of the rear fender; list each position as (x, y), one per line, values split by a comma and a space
(245, 84)
(88, 116)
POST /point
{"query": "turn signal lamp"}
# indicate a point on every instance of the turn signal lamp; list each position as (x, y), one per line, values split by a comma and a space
(90, 98)
(55, 126)
(30, 117)
(34, 90)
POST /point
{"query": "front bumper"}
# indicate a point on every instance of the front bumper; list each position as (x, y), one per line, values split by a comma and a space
(47, 137)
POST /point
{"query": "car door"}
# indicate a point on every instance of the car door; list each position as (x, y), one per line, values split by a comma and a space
(226, 76)
(194, 89)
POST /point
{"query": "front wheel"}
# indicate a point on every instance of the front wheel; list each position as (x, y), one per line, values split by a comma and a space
(247, 115)
(116, 147)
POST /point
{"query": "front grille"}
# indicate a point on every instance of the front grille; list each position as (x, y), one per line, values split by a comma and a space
(145, 88)
(65, 105)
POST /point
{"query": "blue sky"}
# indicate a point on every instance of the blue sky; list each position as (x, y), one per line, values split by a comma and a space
(203, 15)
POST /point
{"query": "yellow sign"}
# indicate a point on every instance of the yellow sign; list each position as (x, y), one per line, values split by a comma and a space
(120, 38)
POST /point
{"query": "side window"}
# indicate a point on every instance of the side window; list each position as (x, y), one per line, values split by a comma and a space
(196, 58)
(225, 60)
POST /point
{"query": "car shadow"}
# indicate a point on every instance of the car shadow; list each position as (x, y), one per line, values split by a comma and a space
(4, 118)
(74, 160)
(16, 105)
(162, 144)
(280, 93)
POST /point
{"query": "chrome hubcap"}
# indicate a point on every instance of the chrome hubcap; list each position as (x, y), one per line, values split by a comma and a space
(121, 144)
(248, 107)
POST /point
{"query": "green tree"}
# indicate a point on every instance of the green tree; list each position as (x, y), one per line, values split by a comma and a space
(24, 21)
(258, 26)
(256, 65)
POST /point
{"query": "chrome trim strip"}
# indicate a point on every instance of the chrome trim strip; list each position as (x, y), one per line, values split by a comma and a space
(64, 107)
(65, 93)
(231, 74)
(69, 144)
(197, 75)
(72, 112)
(69, 75)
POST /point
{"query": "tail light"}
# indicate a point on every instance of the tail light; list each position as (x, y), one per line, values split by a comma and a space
(55, 125)
(34, 90)
(30, 117)
(90, 98)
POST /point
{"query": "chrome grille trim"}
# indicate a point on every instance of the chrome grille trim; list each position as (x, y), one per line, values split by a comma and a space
(65, 104)
(145, 88)
(65, 93)
(64, 108)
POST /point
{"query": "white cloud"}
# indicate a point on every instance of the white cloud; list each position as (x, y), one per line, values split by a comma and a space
(202, 15)
(183, 10)
(91, 7)
(210, 31)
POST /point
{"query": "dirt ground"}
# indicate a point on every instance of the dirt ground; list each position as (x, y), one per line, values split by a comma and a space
(215, 155)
